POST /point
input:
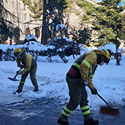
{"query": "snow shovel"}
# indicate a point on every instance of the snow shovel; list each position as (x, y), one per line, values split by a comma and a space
(14, 79)
(107, 110)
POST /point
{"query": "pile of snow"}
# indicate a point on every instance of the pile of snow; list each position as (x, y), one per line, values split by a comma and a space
(30, 45)
(111, 47)
(60, 27)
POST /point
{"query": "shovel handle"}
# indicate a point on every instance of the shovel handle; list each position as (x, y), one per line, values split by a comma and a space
(103, 100)
(99, 96)
(17, 74)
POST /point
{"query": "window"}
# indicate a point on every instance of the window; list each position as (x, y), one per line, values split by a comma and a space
(19, 6)
(6, 1)
(19, 16)
(24, 7)
(13, 4)
(29, 17)
(25, 17)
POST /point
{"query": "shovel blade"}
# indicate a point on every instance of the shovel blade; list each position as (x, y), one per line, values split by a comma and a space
(13, 79)
(110, 111)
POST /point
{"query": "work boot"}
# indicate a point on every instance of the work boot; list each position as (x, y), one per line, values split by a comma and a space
(17, 91)
(35, 89)
(63, 122)
(91, 121)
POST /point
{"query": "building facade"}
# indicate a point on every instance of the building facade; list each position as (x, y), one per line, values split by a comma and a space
(20, 16)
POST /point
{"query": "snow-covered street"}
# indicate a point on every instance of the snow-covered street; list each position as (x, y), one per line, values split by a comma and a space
(108, 79)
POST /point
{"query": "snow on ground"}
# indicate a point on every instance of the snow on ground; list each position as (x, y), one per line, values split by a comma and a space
(109, 81)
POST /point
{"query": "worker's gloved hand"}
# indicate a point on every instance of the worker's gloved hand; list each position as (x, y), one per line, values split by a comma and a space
(17, 91)
(19, 72)
(94, 91)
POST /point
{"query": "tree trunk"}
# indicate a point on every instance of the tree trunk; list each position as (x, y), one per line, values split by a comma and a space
(44, 25)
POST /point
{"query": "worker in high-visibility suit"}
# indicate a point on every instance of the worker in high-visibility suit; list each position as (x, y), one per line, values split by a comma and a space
(26, 61)
(80, 74)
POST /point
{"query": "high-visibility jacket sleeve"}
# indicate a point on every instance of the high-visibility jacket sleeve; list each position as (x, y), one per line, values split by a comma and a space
(89, 60)
(28, 63)
(90, 82)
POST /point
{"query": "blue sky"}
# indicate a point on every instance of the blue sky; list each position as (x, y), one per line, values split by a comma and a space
(120, 4)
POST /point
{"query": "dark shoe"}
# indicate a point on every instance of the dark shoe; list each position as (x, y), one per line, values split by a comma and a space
(35, 90)
(91, 121)
(62, 122)
(17, 91)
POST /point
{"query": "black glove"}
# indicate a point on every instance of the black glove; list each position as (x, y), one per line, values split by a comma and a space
(94, 91)
(17, 91)
(19, 72)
